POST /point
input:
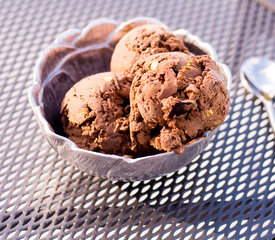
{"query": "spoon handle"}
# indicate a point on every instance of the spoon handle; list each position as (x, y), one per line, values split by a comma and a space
(271, 113)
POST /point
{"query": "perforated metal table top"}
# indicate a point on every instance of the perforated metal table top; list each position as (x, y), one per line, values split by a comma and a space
(228, 192)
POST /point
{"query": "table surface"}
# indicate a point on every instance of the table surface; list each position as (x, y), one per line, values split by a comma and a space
(228, 192)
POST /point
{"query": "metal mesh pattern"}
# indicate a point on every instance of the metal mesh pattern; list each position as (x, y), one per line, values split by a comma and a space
(226, 193)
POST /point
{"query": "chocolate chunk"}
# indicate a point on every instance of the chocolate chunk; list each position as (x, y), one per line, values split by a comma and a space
(182, 107)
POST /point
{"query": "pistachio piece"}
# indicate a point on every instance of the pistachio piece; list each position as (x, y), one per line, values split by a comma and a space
(85, 110)
(209, 112)
(183, 138)
(107, 79)
(153, 65)
(188, 65)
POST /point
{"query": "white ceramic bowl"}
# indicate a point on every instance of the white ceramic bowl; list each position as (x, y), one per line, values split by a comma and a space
(76, 54)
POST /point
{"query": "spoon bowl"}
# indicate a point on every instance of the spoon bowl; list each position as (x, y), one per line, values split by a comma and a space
(258, 77)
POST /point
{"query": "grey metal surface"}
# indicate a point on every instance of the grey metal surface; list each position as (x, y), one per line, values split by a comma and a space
(226, 193)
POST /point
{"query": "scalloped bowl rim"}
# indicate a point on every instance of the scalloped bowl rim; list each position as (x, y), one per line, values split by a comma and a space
(46, 127)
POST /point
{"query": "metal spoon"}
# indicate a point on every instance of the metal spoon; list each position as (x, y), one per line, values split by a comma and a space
(258, 77)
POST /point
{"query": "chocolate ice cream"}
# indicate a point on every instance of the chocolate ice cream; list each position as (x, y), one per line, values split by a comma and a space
(141, 42)
(175, 98)
(95, 113)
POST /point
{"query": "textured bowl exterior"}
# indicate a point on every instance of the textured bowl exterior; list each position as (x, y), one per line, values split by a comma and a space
(79, 53)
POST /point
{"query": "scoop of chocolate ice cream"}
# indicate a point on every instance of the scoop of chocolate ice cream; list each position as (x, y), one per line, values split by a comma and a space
(175, 98)
(141, 42)
(95, 113)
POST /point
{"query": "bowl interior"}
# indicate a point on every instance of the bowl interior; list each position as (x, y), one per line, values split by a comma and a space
(78, 65)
